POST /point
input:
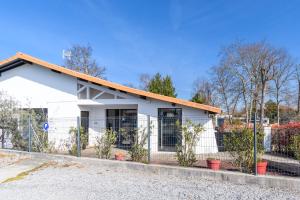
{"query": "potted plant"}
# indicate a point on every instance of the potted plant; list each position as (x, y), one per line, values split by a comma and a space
(119, 156)
(261, 166)
(213, 163)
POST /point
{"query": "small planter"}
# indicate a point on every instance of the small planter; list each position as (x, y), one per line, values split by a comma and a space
(120, 156)
(261, 167)
(213, 164)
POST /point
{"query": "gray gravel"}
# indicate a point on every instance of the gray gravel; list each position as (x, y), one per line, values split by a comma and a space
(80, 181)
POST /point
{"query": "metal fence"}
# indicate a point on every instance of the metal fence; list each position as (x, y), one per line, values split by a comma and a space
(187, 141)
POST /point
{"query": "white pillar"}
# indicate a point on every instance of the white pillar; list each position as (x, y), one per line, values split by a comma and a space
(267, 138)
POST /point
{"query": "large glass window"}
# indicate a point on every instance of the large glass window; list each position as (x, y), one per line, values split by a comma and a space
(168, 132)
(124, 123)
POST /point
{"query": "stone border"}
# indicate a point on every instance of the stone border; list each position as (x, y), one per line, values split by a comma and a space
(233, 177)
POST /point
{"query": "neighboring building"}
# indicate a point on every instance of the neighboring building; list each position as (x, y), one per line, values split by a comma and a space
(67, 94)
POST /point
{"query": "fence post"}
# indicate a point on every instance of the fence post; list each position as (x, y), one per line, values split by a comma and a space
(149, 138)
(29, 134)
(255, 145)
(78, 138)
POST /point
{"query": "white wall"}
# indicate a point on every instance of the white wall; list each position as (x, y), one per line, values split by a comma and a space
(207, 141)
(38, 87)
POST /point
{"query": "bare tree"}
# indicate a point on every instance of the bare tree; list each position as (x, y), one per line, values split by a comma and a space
(240, 61)
(203, 92)
(269, 59)
(297, 77)
(226, 88)
(81, 60)
(282, 73)
(144, 81)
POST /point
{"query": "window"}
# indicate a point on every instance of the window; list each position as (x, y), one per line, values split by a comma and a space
(122, 120)
(84, 122)
(168, 132)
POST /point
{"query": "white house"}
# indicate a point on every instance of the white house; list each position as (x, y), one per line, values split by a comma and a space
(67, 94)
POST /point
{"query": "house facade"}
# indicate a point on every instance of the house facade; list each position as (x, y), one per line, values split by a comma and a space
(99, 104)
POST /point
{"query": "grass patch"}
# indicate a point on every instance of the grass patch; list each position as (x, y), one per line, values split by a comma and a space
(3, 155)
(22, 175)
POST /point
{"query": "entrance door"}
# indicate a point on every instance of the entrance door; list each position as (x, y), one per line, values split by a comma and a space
(168, 132)
(84, 123)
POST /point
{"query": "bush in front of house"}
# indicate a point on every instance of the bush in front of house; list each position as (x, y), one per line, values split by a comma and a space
(83, 140)
(294, 146)
(285, 139)
(240, 144)
(137, 151)
(185, 148)
(105, 143)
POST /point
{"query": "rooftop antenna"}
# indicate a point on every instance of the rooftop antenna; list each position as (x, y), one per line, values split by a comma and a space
(66, 54)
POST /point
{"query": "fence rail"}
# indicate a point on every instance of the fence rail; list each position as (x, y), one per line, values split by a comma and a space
(189, 141)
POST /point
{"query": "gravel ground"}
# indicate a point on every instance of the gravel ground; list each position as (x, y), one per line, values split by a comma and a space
(65, 180)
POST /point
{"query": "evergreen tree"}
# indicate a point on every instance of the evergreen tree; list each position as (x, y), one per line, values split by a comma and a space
(161, 85)
(168, 88)
(198, 98)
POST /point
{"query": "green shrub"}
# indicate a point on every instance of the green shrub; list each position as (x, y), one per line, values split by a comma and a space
(104, 144)
(240, 144)
(83, 140)
(186, 143)
(294, 146)
(137, 152)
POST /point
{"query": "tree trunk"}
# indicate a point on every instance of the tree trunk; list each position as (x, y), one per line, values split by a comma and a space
(246, 108)
(262, 104)
(298, 105)
(251, 102)
(277, 102)
(278, 118)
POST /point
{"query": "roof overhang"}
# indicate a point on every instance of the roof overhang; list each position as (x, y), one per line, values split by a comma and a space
(21, 59)
(13, 64)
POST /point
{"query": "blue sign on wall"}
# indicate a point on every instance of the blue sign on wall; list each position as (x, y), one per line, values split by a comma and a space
(46, 126)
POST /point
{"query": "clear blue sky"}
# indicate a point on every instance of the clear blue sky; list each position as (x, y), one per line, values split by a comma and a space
(179, 38)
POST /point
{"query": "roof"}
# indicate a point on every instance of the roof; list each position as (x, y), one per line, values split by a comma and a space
(21, 58)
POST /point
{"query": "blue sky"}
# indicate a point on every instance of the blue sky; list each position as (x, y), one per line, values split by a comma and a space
(179, 38)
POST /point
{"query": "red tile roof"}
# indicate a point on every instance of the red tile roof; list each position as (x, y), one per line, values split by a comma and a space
(22, 56)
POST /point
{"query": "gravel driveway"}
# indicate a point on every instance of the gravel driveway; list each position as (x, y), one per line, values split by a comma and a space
(74, 180)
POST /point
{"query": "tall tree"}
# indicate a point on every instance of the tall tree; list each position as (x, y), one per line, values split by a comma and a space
(282, 74)
(254, 66)
(227, 89)
(81, 60)
(240, 62)
(168, 87)
(297, 77)
(161, 85)
(269, 58)
(203, 92)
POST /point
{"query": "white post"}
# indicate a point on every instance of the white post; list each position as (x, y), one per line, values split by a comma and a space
(267, 138)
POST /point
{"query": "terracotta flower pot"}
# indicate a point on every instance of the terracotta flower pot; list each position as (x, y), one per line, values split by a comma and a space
(262, 167)
(213, 164)
(119, 156)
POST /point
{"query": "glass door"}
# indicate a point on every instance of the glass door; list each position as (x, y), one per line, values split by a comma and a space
(84, 123)
(124, 123)
(169, 133)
